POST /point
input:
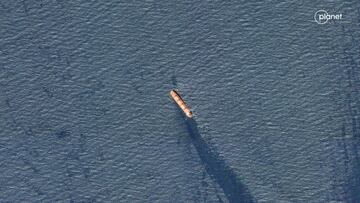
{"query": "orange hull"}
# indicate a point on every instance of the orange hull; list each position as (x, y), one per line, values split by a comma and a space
(181, 103)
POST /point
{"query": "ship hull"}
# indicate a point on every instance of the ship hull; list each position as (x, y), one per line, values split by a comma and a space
(181, 103)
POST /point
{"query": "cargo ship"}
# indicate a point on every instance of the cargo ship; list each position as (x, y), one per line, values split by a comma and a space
(181, 103)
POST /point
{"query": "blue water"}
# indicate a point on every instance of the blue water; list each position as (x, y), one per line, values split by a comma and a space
(85, 114)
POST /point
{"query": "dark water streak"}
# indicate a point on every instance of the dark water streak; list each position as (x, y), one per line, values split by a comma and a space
(216, 167)
(352, 103)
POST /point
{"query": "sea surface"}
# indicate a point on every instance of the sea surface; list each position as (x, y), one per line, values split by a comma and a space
(85, 113)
